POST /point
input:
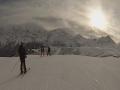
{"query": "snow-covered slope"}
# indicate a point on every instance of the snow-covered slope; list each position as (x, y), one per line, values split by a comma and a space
(61, 73)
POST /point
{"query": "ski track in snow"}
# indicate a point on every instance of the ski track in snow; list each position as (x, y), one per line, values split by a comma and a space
(57, 72)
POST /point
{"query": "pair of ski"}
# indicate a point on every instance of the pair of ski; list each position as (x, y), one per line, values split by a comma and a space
(23, 74)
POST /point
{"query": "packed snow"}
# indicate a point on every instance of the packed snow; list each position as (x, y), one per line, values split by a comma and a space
(61, 72)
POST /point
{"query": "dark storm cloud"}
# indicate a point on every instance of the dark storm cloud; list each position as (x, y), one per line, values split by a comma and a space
(6, 1)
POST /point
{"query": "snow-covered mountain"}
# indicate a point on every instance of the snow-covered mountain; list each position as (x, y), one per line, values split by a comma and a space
(62, 37)
(25, 32)
(105, 41)
(59, 37)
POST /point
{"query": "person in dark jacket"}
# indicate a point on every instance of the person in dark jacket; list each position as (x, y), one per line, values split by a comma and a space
(42, 50)
(48, 51)
(22, 55)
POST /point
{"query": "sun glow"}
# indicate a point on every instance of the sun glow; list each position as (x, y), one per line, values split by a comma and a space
(98, 19)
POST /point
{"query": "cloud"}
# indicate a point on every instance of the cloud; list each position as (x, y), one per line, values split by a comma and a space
(22, 11)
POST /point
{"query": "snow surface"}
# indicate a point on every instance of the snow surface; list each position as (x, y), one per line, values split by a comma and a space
(61, 72)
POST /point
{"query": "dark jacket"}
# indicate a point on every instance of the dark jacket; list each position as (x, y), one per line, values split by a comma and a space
(49, 49)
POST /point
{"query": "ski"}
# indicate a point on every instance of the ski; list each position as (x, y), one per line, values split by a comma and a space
(22, 75)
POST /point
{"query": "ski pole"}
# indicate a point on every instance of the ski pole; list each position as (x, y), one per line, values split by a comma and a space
(14, 66)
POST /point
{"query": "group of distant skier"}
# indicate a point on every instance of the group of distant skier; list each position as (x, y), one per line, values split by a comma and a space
(45, 51)
(23, 55)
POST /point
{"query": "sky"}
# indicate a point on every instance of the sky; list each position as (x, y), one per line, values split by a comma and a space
(23, 11)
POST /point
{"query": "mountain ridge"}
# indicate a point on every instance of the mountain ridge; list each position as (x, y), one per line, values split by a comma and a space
(33, 32)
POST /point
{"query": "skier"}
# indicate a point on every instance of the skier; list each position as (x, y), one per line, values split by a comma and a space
(42, 50)
(22, 55)
(48, 51)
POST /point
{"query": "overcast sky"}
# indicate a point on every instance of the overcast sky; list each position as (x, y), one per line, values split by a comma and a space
(23, 11)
